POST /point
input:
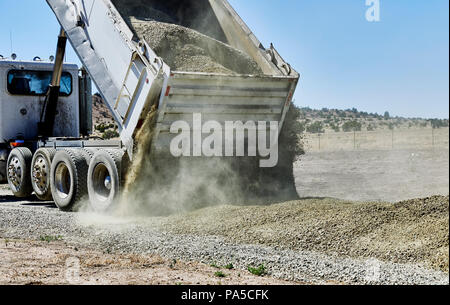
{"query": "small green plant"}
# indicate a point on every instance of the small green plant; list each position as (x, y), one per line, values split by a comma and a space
(229, 266)
(101, 127)
(49, 238)
(172, 264)
(259, 271)
(220, 274)
(214, 265)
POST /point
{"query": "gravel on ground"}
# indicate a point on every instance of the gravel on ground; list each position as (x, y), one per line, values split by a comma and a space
(412, 231)
(150, 236)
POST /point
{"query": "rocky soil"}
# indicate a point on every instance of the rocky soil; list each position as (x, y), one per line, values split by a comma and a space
(412, 231)
(309, 241)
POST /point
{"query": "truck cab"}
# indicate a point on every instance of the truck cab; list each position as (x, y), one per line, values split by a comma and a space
(23, 89)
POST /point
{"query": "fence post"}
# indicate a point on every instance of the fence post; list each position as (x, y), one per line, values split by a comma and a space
(392, 138)
(432, 136)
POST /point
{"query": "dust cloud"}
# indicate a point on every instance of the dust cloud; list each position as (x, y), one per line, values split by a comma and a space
(158, 184)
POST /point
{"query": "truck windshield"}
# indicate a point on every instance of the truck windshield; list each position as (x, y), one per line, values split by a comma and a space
(25, 82)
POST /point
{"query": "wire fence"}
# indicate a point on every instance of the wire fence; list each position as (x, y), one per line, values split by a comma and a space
(381, 139)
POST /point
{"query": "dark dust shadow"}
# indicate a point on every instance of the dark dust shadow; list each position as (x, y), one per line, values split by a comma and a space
(45, 204)
(315, 198)
(31, 201)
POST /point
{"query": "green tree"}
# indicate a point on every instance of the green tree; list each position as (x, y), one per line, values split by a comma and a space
(352, 126)
(436, 123)
(110, 134)
(316, 127)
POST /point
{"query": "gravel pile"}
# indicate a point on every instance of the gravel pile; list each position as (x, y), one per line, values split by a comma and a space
(143, 236)
(414, 231)
(184, 49)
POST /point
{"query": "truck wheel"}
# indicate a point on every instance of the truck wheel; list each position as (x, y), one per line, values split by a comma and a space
(3, 172)
(18, 166)
(88, 154)
(40, 173)
(104, 179)
(68, 178)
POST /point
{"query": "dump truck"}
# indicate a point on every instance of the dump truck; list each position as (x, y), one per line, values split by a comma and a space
(45, 143)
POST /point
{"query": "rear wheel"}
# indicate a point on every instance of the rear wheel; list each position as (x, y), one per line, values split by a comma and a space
(68, 178)
(18, 167)
(3, 171)
(40, 173)
(104, 179)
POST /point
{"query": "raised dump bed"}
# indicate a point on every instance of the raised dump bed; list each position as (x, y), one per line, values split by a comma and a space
(184, 57)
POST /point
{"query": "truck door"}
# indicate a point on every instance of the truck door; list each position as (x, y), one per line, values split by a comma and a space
(23, 100)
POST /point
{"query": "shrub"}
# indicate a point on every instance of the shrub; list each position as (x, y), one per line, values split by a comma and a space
(110, 134)
(352, 126)
(259, 271)
(316, 127)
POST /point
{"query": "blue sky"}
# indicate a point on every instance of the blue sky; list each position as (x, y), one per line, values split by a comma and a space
(400, 64)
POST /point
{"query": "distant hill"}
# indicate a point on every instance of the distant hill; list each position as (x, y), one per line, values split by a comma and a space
(334, 120)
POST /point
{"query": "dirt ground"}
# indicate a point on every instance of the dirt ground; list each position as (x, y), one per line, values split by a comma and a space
(374, 175)
(55, 263)
(355, 225)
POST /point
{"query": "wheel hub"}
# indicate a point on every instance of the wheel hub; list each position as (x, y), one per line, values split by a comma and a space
(40, 174)
(15, 173)
(102, 182)
(62, 180)
(108, 184)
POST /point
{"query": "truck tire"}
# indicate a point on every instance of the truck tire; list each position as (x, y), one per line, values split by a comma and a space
(40, 173)
(18, 167)
(3, 172)
(104, 179)
(68, 178)
(88, 154)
